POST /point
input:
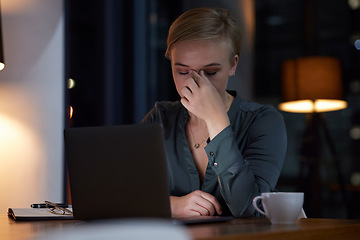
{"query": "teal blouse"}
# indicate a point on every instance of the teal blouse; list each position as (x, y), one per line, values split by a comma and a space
(245, 159)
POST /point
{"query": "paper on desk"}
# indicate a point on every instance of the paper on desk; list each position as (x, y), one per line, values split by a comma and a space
(36, 214)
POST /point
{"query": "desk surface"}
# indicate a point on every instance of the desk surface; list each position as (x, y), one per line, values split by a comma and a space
(252, 228)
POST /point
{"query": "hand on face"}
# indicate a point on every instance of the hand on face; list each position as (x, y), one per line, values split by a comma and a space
(197, 203)
(203, 92)
(202, 99)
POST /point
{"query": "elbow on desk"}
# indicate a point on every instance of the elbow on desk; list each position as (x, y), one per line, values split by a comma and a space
(244, 213)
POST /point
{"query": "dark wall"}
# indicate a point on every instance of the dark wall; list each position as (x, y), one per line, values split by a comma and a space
(115, 53)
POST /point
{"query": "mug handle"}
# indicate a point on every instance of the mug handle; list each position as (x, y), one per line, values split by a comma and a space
(255, 204)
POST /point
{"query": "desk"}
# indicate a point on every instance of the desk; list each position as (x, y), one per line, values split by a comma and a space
(252, 228)
(261, 228)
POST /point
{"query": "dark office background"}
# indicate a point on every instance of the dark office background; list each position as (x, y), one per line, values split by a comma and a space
(115, 53)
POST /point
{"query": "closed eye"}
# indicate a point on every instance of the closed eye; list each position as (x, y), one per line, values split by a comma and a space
(210, 73)
(183, 73)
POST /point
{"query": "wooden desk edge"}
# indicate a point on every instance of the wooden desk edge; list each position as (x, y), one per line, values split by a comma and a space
(310, 228)
(252, 228)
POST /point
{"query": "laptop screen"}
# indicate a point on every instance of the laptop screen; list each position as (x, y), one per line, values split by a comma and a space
(117, 172)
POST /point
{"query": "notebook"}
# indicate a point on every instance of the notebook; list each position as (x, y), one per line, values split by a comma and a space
(119, 172)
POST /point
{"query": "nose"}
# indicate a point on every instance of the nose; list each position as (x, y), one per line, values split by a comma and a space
(198, 71)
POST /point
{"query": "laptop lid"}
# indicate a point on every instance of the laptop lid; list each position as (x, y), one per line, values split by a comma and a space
(117, 172)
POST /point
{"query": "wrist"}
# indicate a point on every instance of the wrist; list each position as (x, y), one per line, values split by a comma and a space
(215, 127)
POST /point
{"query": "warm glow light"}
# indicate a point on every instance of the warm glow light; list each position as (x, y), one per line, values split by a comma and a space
(21, 151)
(309, 106)
(71, 83)
(297, 106)
(71, 112)
(2, 66)
(328, 105)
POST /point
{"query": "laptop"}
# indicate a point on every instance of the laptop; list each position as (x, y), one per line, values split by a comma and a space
(119, 172)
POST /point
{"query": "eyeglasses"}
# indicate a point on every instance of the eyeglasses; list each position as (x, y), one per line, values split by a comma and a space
(56, 209)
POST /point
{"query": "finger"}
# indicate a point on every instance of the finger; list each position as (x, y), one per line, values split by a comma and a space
(203, 76)
(185, 102)
(192, 84)
(186, 93)
(197, 78)
(216, 205)
(205, 204)
(200, 78)
(201, 210)
(206, 208)
(194, 212)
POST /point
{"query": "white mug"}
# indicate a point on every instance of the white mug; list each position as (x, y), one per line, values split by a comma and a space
(280, 207)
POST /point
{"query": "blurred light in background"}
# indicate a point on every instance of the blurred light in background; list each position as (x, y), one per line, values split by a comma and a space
(71, 83)
(357, 44)
(71, 112)
(354, 4)
(355, 133)
(355, 86)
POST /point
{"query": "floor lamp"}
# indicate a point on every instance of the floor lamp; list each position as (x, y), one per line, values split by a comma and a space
(313, 85)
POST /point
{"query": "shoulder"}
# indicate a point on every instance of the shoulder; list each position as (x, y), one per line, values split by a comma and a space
(167, 105)
(259, 109)
(260, 121)
(254, 109)
(255, 116)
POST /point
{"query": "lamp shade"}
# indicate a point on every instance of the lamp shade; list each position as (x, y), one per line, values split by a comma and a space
(312, 84)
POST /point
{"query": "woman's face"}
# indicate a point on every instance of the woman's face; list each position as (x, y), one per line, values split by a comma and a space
(210, 56)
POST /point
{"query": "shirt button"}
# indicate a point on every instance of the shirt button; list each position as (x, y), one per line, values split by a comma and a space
(211, 153)
(215, 164)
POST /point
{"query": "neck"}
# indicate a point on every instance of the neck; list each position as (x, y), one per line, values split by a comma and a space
(227, 100)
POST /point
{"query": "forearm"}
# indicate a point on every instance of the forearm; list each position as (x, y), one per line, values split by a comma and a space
(216, 124)
(238, 190)
(242, 177)
(237, 182)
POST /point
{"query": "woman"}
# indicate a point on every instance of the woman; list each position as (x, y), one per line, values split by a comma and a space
(222, 151)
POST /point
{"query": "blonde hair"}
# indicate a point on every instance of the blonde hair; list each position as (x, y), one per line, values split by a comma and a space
(205, 24)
